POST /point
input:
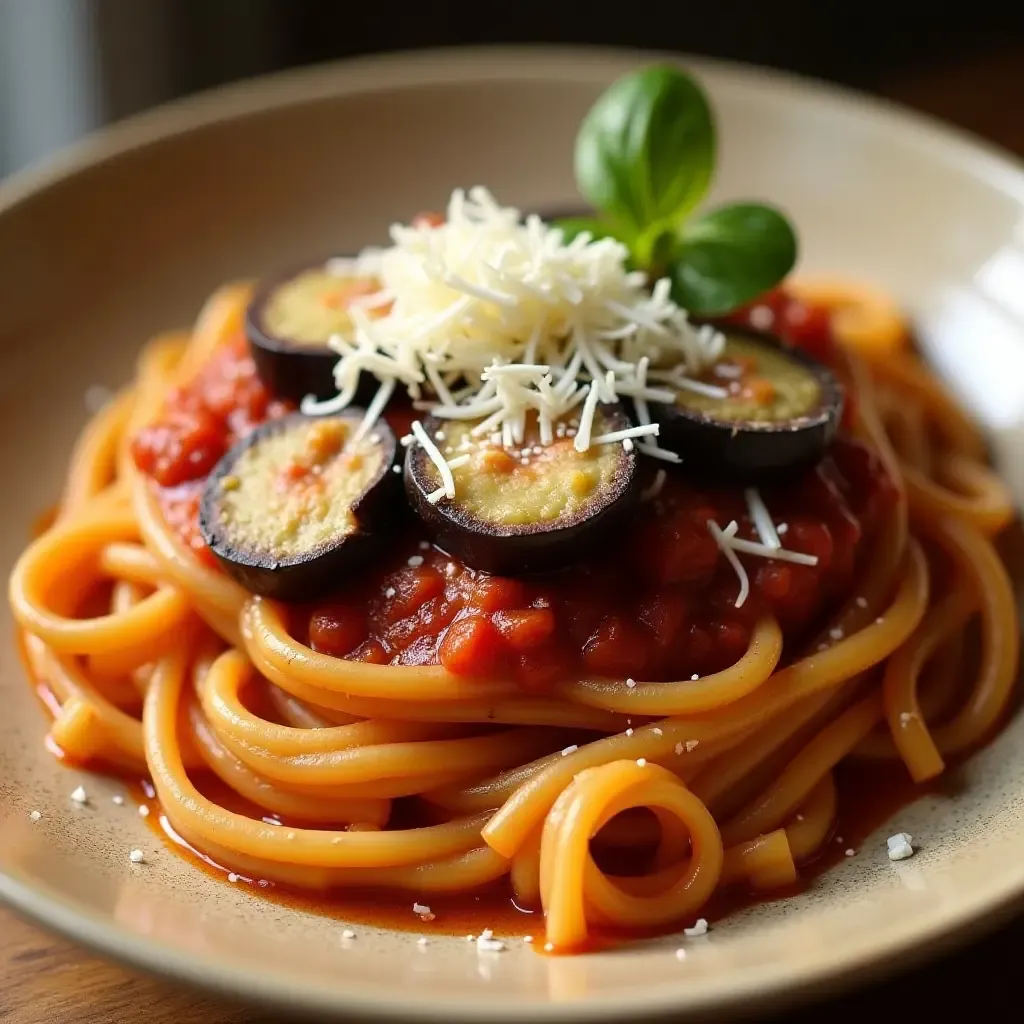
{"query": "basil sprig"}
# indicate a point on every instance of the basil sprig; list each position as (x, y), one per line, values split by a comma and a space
(645, 158)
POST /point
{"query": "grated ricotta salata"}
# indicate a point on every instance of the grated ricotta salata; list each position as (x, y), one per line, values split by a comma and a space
(493, 317)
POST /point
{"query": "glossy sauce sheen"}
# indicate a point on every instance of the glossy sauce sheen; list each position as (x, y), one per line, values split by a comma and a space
(869, 795)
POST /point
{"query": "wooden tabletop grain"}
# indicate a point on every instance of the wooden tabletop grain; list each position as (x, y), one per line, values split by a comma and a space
(47, 979)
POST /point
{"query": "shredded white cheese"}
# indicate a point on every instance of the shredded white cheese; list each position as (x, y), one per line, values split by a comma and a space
(762, 519)
(724, 538)
(731, 546)
(447, 480)
(491, 316)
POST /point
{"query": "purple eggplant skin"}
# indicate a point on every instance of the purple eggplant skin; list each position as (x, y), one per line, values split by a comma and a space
(512, 550)
(748, 451)
(290, 369)
(313, 574)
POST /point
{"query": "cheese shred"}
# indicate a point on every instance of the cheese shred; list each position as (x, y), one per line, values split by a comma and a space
(491, 316)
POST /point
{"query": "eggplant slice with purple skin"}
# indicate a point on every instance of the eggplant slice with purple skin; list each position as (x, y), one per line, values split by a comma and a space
(296, 505)
(528, 508)
(764, 411)
(290, 319)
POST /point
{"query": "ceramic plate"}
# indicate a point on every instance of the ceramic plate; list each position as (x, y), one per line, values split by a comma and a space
(127, 234)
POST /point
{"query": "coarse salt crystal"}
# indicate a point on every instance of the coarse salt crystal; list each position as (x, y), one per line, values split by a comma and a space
(570, 750)
(137, 857)
(700, 928)
(487, 943)
(415, 560)
(232, 877)
(862, 602)
(900, 846)
(694, 677)
(680, 954)
(679, 748)
(422, 941)
(348, 934)
(143, 811)
(527, 938)
(630, 683)
(117, 799)
(836, 634)
(905, 717)
(390, 592)
(34, 816)
(851, 852)
(629, 731)
(78, 795)
(642, 762)
(691, 745)
(657, 731)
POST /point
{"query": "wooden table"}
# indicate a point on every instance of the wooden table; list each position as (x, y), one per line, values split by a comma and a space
(43, 978)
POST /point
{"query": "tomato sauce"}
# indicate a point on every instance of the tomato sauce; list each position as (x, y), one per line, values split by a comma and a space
(658, 603)
(200, 421)
(869, 796)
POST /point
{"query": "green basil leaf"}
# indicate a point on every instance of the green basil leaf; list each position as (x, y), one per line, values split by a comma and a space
(645, 152)
(731, 256)
(573, 226)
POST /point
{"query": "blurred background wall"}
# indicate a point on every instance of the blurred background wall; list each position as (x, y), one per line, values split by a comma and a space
(67, 66)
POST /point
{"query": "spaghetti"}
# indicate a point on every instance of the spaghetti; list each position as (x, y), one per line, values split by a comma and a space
(414, 777)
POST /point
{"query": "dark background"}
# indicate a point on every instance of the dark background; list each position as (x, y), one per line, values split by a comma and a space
(211, 41)
(70, 66)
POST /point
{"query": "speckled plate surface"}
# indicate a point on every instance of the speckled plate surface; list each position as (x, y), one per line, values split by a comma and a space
(127, 234)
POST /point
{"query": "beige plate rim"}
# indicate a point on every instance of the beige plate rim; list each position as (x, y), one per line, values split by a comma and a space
(903, 945)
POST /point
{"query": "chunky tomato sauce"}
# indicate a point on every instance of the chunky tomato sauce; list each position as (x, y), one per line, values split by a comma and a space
(199, 423)
(658, 601)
